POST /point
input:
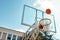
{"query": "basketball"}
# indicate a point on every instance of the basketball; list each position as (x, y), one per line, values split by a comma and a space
(48, 11)
(40, 26)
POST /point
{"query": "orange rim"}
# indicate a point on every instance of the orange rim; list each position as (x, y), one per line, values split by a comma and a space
(45, 19)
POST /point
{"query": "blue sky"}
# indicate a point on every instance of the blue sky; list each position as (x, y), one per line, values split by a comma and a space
(11, 12)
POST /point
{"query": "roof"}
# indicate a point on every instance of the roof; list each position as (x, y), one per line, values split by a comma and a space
(6, 30)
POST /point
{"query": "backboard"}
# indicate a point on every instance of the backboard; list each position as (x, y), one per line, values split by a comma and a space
(30, 15)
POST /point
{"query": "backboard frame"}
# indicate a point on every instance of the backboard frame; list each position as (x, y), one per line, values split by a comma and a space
(35, 15)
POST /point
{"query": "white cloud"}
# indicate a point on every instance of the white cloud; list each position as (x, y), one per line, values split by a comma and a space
(44, 5)
(34, 4)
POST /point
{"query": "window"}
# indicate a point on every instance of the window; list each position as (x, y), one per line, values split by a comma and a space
(9, 37)
(19, 38)
(0, 34)
(14, 37)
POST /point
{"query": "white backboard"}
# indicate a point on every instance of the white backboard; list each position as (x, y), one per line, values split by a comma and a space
(30, 15)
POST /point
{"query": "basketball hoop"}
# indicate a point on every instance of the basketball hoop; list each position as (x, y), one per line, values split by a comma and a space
(43, 23)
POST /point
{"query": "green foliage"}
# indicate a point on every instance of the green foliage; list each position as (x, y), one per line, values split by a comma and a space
(45, 37)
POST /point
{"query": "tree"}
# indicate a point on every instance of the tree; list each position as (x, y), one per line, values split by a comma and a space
(45, 36)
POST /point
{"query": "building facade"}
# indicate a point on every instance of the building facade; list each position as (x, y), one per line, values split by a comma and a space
(8, 34)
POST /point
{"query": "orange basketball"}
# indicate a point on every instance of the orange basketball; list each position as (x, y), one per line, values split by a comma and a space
(48, 11)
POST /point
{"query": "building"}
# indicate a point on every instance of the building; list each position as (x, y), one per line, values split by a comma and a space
(8, 34)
